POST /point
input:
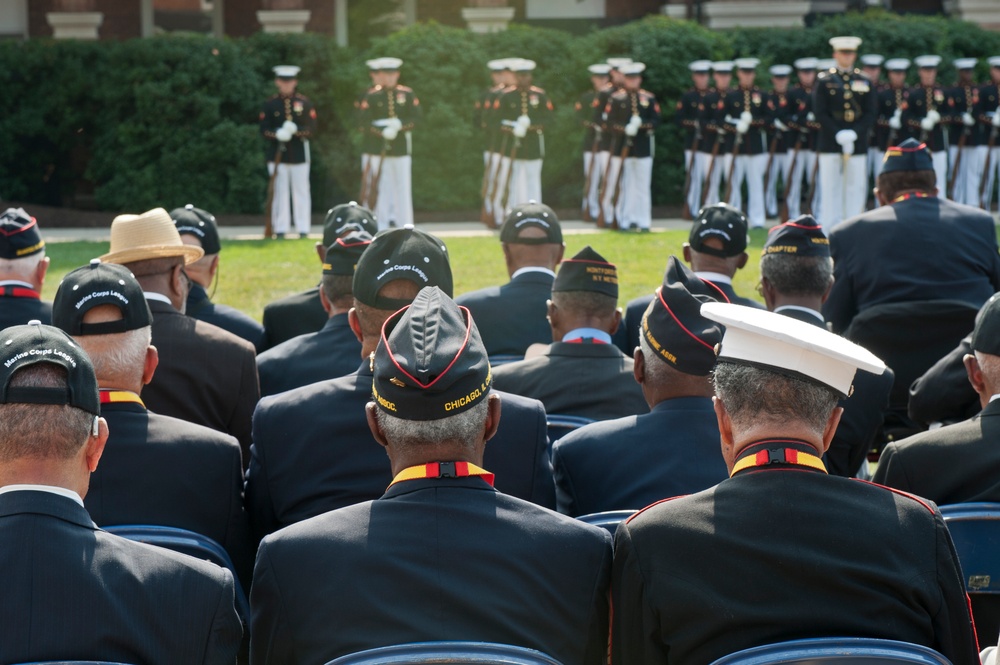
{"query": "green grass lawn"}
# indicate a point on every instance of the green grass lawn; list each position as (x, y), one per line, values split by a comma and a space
(255, 272)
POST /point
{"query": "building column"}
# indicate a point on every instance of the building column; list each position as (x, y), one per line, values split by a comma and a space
(284, 16)
(74, 19)
(984, 12)
(483, 16)
(340, 21)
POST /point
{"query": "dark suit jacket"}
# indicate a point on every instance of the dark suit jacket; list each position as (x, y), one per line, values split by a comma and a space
(206, 375)
(200, 306)
(161, 470)
(511, 317)
(943, 393)
(780, 553)
(637, 307)
(864, 413)
(15, 311)
(73, 591)
(590, 380)
(629, 463)
(958, 463)
(313, 452)
(917, 249)
(333, 351)
(297, 314)
(433, 559)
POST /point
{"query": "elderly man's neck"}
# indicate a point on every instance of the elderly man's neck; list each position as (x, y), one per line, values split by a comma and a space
(43, 471)
(814, 303)
(445, 451)
(701, 262)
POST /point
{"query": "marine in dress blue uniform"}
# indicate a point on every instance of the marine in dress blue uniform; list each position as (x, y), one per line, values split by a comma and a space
(746, 111)
(778, 544)
(889, 128)
(629, 463)
(924, 112)
(690, 115)
(965, 135)
(600, 79)
(718, 138)
(779, 135)
(497, 573)
(988, 118)
(803, 124)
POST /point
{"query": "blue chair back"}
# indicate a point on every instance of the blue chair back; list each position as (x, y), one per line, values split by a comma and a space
(504, 358)
(559, 426)
(609, 519)
(453, 653)
(72, 662)
(186, 542)
(835, 650)
(975, 530)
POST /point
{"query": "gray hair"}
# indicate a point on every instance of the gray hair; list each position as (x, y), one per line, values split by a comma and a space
(656, 368)
(752, 395)
(465, 428)
(797, 275)
(989, 364)
(585, 303)
(23, 268)
(42, 431)
(118, 357)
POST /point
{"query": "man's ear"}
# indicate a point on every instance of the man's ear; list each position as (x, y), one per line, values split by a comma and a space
(324, 301)
(376, 429)
(355, 323)
(149, 365)
(321, 252)
(41, 269)
(742, 260)
(639, 365)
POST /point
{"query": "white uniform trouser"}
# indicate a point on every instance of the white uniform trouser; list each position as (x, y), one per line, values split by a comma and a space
(969, 172)
(844, 189)
(525, 185)
(956, 194)
(874, 168)
(751, 168)
(490, 160)
(395, 201)
(283, 206)
(805, 164)
(779, 169)
(694, 191)
(594, 164)
(720, 171)
(612, 207)
(635, 197)
(940, 159)
(991, 175)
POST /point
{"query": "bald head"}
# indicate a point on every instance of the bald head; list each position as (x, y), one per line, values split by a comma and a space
(518, 255)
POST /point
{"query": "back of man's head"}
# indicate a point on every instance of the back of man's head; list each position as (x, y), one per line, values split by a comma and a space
(584, 294)
(341, 260)
(103, 307)
(718, 240)
(344, 219)
(197, 227)
(431, 382)
(907, 167)
(983, 365)
(48, 398)
(390, 273)
(22, 249)
(532, 237)
(795, 262)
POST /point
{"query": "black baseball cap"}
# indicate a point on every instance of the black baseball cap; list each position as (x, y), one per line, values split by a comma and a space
(802, 236)
(430, 362)
(343, 255)
(100, 284)
(404, 253)
(910, 155)
(346, 217)
(675, 329)
(721, 221)
(531, 215)
(23, 346)
(587, 271)
(19, 234)
(198, 223)
(986, 334)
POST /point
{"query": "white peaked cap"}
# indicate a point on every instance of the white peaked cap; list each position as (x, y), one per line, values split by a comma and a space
(965, 63)
(897, 64)
(746, 63)
(700, 65)
(845, 43)
(722, 66)
(632, 69)
(789, 346)
(599, 69)
(872, 60)
(805, 63)
(286, 71)
(927, 60)
(616, 63)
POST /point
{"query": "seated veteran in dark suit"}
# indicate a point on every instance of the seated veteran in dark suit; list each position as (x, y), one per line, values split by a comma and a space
(313, 450)
(441, 555)
(332, 351)
(781, 550)
(512, 317)
(302, 313)
(715, 250)
(796, 274)
(197, 227)
(915, 246)
(156, 469)
(629, 463)
(23, 265)
(206, 375)
(957, 463)
(943, 393)
(581, 373)
(70, 590)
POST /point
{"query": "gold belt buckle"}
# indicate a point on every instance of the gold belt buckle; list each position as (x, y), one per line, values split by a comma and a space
(848, 116)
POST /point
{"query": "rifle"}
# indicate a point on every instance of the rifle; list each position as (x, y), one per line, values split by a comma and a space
(484, 189)
(686, 211)
(491, 192)
(732, 166)
(812, 187)
(986, 170)
(601, 221)
(626, 145)
(957, 164)
(770, 162)
(269, 205)
(590, 173)
(363, 194)
(377, 181)
(711, 167)
(783, 214)
(510, 173)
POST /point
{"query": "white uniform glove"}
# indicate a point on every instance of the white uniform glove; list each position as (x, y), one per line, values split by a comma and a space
(780, 126)
(742, 127)
(927, 123)
(896, 121)
(846, 139)
(810, 117)
(934, 115)
(283, 135)
(968, 120)
(396, 124)
(290, 127)
(390, 133)
(632, 128)
(746, 117)
(520, 131)
(996, 118)
(524, 121)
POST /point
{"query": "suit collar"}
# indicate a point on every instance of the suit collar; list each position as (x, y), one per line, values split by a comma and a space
(584, 350)
(802, 314)
(533, 274)
(335, 322)
(159, 307)
(410, 486)
(992, 409)
(684, 404)
(45, 503)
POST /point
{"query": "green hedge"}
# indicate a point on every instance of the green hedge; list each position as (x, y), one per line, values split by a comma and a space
(172, 119)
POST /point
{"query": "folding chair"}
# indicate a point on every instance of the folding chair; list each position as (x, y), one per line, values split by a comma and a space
(609, 519)
(186, 542)
(835, 650)
(975, 530)
(560, 426)
(452, 653)
(504, 358)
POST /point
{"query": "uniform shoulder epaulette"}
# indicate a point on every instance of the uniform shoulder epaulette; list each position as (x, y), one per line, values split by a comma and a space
(643, 91)
(272, 98)
(824, 74)
(618, 94)
(535, 88)
(301, 96)
(404, 88)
